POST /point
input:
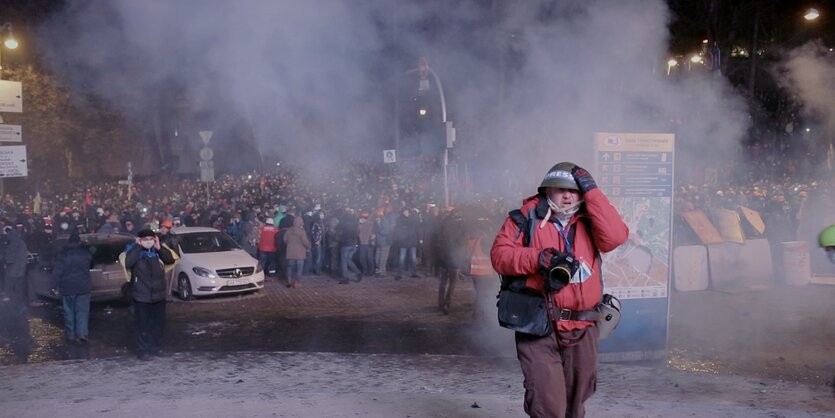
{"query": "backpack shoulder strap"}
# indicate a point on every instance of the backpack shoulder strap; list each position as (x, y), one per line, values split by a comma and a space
(524, 224)
(521, 224)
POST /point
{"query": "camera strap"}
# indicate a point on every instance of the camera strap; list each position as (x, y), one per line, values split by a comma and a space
(567, 238)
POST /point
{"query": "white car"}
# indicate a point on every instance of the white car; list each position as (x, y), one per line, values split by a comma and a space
(212, 263)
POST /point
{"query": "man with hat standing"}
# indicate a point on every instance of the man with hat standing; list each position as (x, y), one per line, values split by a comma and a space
(165, 238)
(72, 273)
(146, 259)
(164, 231)
(569, 216)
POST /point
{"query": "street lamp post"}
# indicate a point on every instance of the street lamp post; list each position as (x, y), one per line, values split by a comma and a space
(443, 120)
(10, 43)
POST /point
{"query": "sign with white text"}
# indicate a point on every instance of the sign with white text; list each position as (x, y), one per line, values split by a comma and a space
(11, 96)
(11, 133)
(13, 161)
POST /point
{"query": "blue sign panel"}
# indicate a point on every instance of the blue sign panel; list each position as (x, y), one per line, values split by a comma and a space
(636, 173)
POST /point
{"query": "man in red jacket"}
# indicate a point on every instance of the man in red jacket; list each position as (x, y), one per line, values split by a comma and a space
(266, 247)
(570, 215)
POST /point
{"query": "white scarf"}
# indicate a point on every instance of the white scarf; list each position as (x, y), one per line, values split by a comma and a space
(563, 215)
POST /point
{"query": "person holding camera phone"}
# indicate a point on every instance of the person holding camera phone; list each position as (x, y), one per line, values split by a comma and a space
(570, 221)
(146, 260)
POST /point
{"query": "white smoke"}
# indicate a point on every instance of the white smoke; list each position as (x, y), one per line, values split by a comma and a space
(808, 72)
(599, 66)
(315, 80)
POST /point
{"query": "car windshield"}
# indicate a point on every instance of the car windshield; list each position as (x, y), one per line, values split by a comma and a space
(206, 242)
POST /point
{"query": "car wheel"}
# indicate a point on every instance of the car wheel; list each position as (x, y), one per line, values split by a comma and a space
(184, 288)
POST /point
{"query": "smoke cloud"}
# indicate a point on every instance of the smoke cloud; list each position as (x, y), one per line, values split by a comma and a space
(317, 80)
(808, 72)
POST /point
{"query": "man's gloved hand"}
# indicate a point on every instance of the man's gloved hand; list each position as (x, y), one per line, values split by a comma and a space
(545, 257)
(583, 178)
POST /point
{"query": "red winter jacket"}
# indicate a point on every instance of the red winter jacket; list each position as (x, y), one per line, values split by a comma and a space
(266, 243)
(510, 257)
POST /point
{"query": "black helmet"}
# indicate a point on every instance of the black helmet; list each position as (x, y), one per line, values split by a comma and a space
(559, 176)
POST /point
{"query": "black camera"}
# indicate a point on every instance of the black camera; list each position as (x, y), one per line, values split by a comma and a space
(563, 267)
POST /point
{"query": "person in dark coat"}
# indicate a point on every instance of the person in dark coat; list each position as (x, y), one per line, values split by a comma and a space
(405, 237)
(15, 258)
(71, 271)
(430, 233)
(348, 244)
(249, 234)
(284, 224)
(146, 260)
(317, 236)
(452, 252)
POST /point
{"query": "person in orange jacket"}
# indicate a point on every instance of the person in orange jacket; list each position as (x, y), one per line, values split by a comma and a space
(485, 280)
(570, 215)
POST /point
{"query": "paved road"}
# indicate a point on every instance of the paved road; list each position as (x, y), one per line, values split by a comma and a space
(283, 384)
(381, 348)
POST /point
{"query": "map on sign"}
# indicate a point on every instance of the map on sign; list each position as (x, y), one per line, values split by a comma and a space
(636, 173)
(13, 161)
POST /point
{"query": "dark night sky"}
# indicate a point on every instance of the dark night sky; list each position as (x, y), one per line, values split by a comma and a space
(690, 22)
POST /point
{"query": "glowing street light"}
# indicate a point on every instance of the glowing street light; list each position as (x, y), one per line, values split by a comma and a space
(670, 64)
(10, 42)
(811, 14)
(422, 112)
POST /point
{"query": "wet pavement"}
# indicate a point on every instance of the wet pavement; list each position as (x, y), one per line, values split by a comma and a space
(773, 333)
(381, 348)
(281, 384)
(377, 315)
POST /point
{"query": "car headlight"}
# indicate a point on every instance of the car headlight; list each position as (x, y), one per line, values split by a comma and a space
(258, 267)
(200, 271)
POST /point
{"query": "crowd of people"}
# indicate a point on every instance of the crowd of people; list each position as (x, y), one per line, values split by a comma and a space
(353, 221)
(353, 214)
(350, 221)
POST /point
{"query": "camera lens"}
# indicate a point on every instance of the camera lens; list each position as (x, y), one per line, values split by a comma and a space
(558, 277)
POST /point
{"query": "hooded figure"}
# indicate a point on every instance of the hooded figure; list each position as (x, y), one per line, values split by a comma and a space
(72, 272)
(297, 245)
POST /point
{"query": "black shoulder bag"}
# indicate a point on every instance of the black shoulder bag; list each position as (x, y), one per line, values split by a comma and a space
(522, 309)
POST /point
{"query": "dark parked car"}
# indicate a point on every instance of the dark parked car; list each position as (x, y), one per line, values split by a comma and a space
(107, 274)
